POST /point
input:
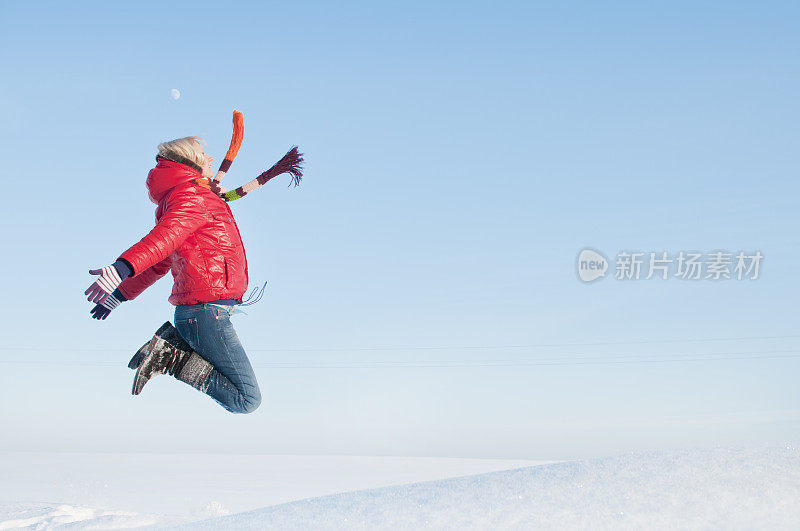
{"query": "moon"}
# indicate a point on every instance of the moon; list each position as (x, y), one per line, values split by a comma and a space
(175, 93)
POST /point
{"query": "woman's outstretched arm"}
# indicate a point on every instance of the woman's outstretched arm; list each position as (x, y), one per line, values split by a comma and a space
(184, 213)
(132, 287)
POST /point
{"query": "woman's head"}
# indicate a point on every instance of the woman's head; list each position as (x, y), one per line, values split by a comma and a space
(189, 148)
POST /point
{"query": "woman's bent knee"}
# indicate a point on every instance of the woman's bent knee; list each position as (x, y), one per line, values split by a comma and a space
(247, 403)
(252, 406)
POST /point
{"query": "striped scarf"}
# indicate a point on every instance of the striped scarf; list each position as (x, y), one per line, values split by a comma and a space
(290, 163)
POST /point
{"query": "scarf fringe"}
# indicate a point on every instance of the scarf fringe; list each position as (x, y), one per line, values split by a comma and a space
(290, 163)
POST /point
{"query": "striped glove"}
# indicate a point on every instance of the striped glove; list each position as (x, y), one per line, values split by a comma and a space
(101, 311)
(110, 277)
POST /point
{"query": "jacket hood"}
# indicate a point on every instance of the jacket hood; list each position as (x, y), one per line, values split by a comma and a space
(166, 176)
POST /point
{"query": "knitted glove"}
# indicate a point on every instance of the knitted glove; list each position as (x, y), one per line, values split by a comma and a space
(110, 277)
(101, 311)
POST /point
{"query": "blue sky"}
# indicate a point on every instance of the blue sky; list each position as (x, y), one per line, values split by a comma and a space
(459, 156)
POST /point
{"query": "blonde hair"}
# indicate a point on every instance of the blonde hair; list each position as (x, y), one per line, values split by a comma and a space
(185, 147)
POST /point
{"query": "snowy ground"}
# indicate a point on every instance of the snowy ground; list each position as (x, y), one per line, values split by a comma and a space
(43, 490)
(726, 488)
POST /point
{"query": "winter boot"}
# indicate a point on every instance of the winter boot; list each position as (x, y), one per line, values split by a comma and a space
(165, 330)
(169, 353)
(137, 358)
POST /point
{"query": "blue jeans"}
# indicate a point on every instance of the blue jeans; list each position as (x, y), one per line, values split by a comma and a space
(208, 329)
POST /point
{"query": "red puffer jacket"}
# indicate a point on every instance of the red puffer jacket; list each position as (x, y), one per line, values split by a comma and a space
(195, 236)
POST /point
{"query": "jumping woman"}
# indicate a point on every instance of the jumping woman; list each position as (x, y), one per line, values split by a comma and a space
(195, 237)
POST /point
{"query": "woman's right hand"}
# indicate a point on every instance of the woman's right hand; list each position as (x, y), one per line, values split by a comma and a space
(105, 285)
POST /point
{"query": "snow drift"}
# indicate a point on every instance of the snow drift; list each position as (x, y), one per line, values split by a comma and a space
(724, 488)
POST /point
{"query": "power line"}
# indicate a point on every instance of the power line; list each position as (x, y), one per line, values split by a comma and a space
(377, 364)
(559, 358)
(418, 348)
(537, 345)
(500, 365)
